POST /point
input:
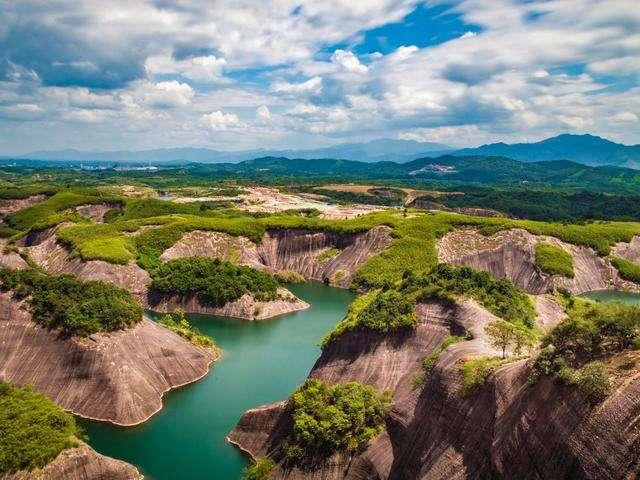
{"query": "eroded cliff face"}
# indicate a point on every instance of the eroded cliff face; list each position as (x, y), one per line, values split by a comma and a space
(511, 254)
(55, 259)
(246, 307)
(94, 212)
(10, 259)
(507, 429)
(118, 377)
(13, 205)
(81, 463)
(629, 251)
(322, 256)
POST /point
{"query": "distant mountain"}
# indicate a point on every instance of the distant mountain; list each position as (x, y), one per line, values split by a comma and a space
(373, 151)
(586, 149)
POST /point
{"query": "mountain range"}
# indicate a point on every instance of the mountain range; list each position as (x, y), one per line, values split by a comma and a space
(585, 149)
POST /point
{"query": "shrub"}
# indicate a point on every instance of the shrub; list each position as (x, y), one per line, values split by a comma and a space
(73, 306)
(476, 371)
(430, 360)
(217, 281)
(554, 260)
(327, 418)
(503, 334)
(32, 428)
(260, 470)
(177, 322)
(627, 270)
(594, 383)
(326, 255)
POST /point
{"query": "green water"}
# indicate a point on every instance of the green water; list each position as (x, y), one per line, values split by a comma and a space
(263, 362)
(614, 296)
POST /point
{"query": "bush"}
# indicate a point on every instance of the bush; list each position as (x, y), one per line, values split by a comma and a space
(500, 297)
(32, 428)
(217, 281)
(73, 306)
(594, 383)
(330, 418)
(430, 360)
(177, 322)
(627, 270)
(377, 310)
(260, 470)
(554, 260)
(476, 371)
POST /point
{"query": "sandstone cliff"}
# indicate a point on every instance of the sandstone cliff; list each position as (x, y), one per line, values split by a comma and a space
(629, 251)
(302, 251)
(118, 377)
(246, 307)
(511, 254)
(94, 211)
(81, 463)
(508, 429)
(13, 205)
(10, 259)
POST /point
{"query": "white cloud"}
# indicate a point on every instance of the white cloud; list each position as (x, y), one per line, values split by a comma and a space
(624, 117)
(348, 62)
(311, 86)
(263, 114)
(204, 69)
(219, 121)
(169, 95)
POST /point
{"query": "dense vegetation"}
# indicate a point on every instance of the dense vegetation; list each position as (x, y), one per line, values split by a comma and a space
(177, 322)
(218, 282)
(32, 428)
(476, 371)
(327, 418)
(554, 260)
(260, 470)
(573, 350)
(500, 297)
(73, 306)
(627, 269)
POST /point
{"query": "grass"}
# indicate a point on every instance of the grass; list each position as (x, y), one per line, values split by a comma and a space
(32, 428)
(430, 360)
(177, 322)
(476, 371)
(627, 269)
(554, 260)
(326, 255)
(260, 470)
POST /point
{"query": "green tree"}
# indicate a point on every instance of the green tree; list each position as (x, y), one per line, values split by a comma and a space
(501, 335)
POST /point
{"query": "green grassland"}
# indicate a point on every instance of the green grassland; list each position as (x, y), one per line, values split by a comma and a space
(32, 428)
(554, 260)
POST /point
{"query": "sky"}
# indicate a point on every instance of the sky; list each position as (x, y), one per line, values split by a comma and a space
(239, 74)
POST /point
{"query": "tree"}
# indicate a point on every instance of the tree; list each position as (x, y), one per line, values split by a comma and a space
(501, 335)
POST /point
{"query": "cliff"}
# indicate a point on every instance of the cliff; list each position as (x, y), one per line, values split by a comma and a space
(81, 463)
(10, 259)
(323, 256)
(507, 429)
(118, 377)
(94, 212)
(13, 205)
(629, 251)
(511, 254)
(246, 307)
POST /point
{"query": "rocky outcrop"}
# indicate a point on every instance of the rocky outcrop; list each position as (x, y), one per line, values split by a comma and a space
(10, 258)
(13, 205)
(297, 250)
(94, 211)
(507, 429)
(80, 463)
(118, 377)
(511, 254)
(55, 258)
(246, 307)
(629, 251)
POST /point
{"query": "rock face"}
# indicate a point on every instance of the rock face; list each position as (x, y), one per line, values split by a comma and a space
(297, 250)
(629, 251)
(301, 251)
(95, 212)
(246, 307)
(55, 259)
(10, 259)
(81, 463)
(13, 205)
(507, 429)
(511, 254)
(118, 377)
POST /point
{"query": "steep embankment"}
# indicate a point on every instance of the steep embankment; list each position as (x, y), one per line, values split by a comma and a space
(94, 212)
(13, 205)
(629, 251)
(507, 428)
(118, 377)
(81, 463)
(10, 259)
(511, 254)
(246, 307)
(323, 256)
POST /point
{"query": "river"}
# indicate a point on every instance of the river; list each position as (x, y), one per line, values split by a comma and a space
(263, 362)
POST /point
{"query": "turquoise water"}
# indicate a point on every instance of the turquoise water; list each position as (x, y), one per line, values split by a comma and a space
(613, 295)
(263, 362)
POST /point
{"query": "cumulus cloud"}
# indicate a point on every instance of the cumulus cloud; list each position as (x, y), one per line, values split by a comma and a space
(219, 121)
(348, 62)
(313, 85)
(168, 94)
(204, 69)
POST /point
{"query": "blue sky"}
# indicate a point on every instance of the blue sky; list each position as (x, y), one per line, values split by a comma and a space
(116, 74)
